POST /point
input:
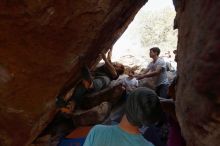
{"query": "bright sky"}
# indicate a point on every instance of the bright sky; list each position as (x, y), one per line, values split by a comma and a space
(123, 45)
(157, 4)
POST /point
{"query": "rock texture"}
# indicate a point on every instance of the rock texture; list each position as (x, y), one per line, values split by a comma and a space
(41, 45)
(198, 94)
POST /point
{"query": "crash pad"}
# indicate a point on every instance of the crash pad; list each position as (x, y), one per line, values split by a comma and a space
(76, 138)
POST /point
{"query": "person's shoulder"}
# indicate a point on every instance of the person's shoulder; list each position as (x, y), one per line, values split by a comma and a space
(161, 59)
(101, 127)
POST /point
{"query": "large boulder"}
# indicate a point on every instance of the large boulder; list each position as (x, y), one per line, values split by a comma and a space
(42, 44)
(198, 93)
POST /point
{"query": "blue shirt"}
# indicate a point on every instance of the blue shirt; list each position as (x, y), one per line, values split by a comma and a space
(101, 135)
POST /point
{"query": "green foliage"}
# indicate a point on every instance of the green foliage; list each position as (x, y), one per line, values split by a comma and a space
(156, 29)
(149, 28)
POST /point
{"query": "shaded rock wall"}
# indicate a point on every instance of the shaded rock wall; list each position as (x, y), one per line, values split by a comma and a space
(40, 47)
(198, 93)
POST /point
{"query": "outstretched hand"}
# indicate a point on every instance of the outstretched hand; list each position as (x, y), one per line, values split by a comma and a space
(138, 77)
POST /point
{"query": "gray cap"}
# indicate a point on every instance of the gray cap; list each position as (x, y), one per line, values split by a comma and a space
(143, 107)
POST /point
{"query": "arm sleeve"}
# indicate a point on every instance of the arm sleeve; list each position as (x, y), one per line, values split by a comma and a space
(162, 64)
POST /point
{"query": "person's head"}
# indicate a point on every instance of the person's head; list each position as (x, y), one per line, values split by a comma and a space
(143, 107)
(155, 51)
(130, 73)
(119, 68)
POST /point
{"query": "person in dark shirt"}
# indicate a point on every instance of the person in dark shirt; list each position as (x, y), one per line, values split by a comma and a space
(100, 79)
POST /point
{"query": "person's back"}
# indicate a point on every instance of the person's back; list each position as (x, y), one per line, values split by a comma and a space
(142, 108)
(114, 136)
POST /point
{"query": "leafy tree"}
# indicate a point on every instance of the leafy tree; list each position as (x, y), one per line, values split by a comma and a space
(157, 29)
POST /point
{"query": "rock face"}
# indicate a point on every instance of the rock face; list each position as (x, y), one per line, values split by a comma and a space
(41, 46)
(198, 94)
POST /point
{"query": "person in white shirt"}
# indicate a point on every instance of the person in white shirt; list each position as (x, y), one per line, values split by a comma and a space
(130, 83)
(157, 70)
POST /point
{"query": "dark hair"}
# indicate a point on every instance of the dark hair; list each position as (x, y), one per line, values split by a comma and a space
(155, 49)
(143, 107)
(120, 68)
(131, 71)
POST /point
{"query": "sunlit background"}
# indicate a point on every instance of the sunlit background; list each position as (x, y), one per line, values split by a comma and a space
(152, 26)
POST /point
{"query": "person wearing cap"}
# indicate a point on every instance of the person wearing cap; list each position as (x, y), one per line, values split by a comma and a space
(142, 108)
(157, 70)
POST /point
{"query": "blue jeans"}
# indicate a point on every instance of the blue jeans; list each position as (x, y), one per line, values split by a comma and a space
(162, 90)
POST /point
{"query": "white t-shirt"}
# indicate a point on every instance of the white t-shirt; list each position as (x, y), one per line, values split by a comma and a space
(130, 84)
(162, 77)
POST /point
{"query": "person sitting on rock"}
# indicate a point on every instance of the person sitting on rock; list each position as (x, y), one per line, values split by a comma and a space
(142, 108)
(130, 83)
